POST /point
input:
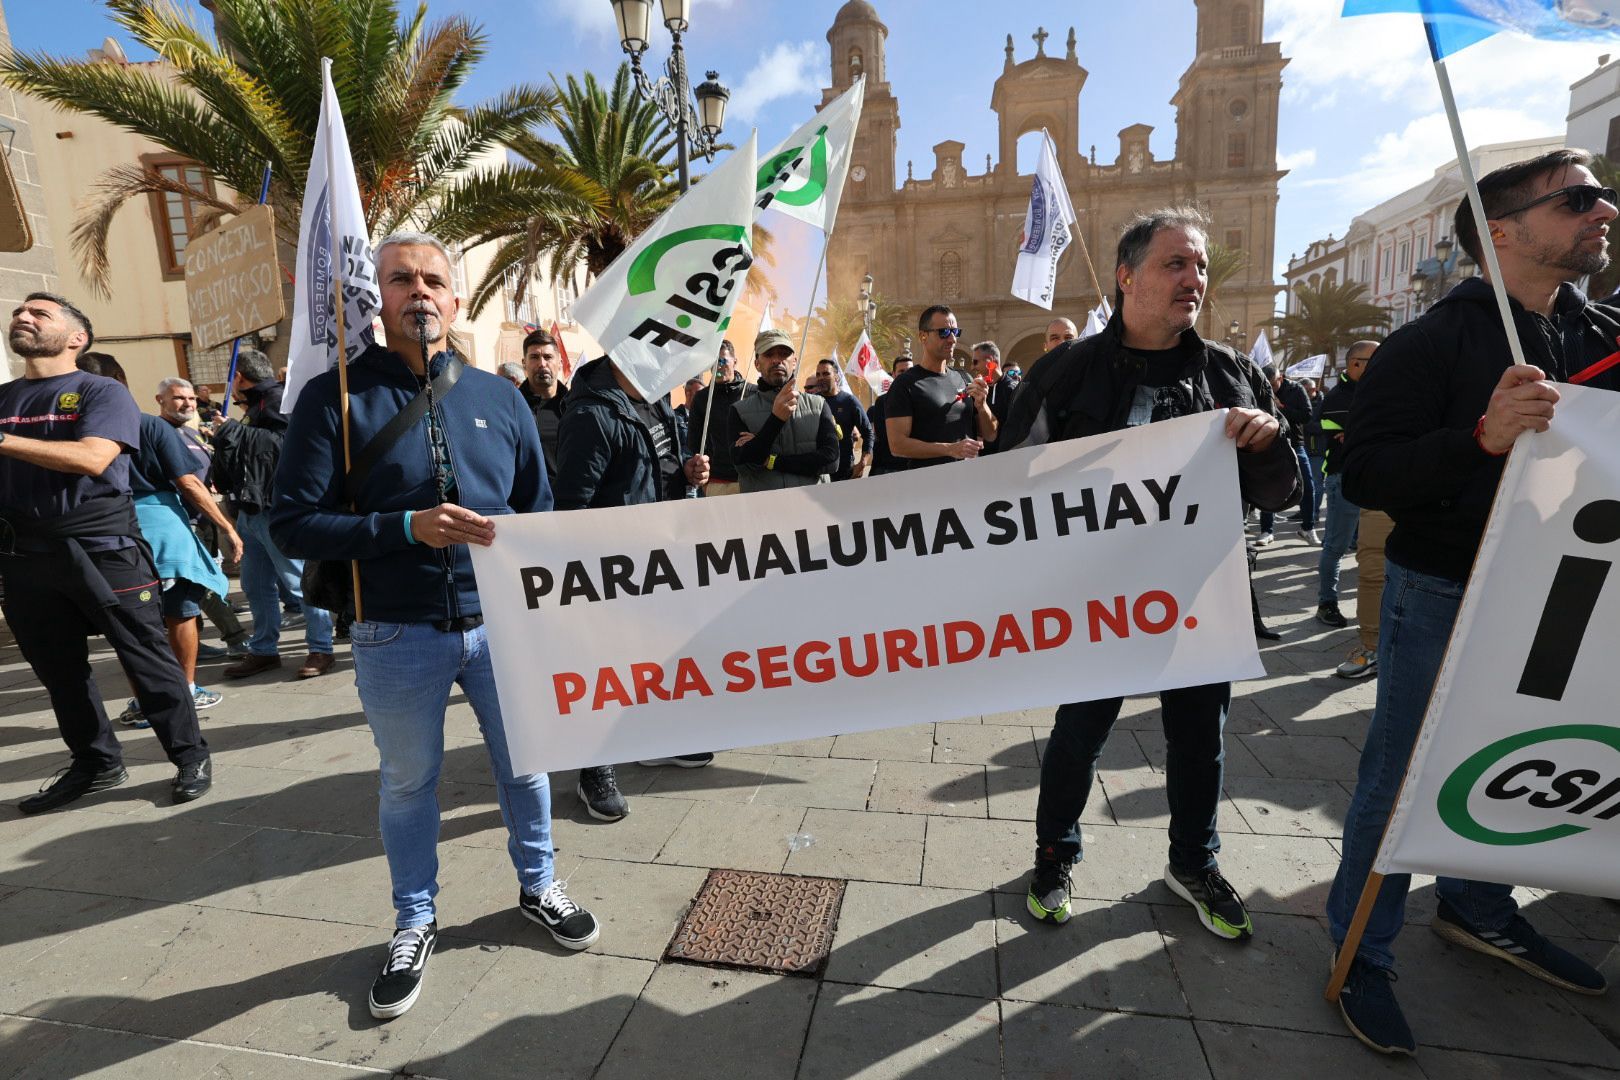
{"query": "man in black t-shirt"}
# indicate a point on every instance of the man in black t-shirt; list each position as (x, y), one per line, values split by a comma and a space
(933, 412)
(882, 460)
(73, 560)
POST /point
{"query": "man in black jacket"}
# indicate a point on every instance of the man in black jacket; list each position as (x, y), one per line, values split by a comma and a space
(616, 449)
(1296, 409)
(1343, 515)
(1432, 421)
(1147, 365)
(725, 391)
(544, 392)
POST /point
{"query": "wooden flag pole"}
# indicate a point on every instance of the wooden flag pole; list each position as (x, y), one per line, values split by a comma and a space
(343, 350)
(1079, 233)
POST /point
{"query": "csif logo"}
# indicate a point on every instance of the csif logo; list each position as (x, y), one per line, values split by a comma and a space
(778, 170)
(701, 296)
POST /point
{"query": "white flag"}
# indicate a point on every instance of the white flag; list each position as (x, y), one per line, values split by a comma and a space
(864, 364)
(661, 308)
(804, 177)
(1095, 321)
(334, 253)
(1047, 230)
(1309, 368)
(765, 322)
(1260, 353)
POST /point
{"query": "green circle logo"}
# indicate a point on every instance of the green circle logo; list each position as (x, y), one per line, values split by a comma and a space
(1452, 801)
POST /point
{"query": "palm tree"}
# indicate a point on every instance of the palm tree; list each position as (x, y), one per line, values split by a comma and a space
(1224, 263)
(250, 94)
(838, 324)
(1328, 318)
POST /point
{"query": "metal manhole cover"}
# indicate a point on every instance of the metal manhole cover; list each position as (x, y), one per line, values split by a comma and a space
(763, 922)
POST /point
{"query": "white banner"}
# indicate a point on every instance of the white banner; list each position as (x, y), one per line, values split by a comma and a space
(1309, 368)
(662, 307)
(1096, 321)
(1048, 222)
(679, 627)
(334, 252)
(1516, 773)
(804, 177)
(1260, 352)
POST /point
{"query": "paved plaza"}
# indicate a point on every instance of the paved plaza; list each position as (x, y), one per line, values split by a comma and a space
(236, 937)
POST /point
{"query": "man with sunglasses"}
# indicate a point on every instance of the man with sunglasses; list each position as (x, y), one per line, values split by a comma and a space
(934, 413)
(1432, 421)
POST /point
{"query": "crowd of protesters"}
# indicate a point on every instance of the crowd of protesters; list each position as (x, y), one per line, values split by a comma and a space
(120, 525)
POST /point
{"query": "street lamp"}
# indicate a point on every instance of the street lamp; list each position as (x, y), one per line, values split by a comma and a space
(695, 132)
(1234, 334)
(868, 305)
(1429, 276)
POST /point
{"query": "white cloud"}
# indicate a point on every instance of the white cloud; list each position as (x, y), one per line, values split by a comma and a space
(595, 17)
(1299, 159)
(788, 70)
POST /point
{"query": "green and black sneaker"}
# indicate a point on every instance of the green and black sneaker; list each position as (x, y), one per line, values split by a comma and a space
(1219, 906)
(1049, 888)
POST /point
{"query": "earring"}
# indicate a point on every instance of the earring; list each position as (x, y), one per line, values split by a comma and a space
(1127, 281)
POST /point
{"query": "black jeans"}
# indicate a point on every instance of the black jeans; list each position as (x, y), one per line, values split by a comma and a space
(53, 630)
(1194, 717)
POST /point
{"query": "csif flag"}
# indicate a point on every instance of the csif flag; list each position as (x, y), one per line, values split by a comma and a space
(1048, 227)
(1453, 25)
(661, 308)
(865, 365)
(804, 177)
(334, 254)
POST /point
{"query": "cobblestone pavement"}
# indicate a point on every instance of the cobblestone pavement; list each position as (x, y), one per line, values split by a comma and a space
(237, 936)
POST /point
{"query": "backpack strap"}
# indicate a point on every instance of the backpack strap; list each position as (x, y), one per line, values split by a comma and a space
(403, 421)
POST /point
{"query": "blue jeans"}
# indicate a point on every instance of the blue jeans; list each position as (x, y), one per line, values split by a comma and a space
(266, 573)
(1338, 538)
(1415, 625)
(1318, 488)
(1307, 496)
(1194, 717)
(404, 672)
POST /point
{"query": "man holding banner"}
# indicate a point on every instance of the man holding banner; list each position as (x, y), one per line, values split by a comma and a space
(1432, 421)
(1148, 365)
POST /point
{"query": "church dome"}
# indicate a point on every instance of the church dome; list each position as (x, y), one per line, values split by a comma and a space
(856, 10)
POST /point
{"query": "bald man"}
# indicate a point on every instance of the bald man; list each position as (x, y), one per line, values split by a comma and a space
(1058, 331)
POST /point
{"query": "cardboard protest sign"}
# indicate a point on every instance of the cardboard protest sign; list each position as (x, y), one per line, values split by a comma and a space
(645, 631)
(233, 281)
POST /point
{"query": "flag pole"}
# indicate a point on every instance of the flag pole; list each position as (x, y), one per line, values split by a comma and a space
(342, 338)
(1467, 168)
(1079, 234)
(236, 343)
(821, 266)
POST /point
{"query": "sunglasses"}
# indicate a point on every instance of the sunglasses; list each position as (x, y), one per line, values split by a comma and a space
(1582, 198)
(946, 331)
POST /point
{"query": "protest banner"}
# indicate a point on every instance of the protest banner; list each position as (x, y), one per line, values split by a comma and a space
(233, 280)
(1311, 367)
(1516, 774)
(645, 631)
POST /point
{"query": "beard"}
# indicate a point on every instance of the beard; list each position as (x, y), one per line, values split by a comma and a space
(33, 344)
(1580, 262)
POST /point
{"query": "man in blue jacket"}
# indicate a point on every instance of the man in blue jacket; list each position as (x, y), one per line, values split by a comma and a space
(412, 517)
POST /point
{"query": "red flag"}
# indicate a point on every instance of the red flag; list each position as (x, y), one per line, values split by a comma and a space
(568, 368)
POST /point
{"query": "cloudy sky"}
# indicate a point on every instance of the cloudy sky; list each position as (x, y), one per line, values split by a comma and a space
(1361, 117)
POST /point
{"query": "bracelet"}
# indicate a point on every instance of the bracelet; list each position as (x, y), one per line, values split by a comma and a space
(409, 537)
(1479, 440)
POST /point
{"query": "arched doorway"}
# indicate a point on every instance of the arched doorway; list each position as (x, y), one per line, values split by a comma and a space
(1027, 350)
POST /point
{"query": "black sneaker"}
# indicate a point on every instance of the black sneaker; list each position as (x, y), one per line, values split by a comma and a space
(72, 783)
(1049, 886)
(599, 790)
(1328, 614)
(1367, 1003)
(1219, 906)
(402, 973)
(1522, 946)
(193, 780)
(571, 925)
(684, 761)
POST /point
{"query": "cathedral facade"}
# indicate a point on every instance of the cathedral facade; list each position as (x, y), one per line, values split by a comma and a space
(951, 236)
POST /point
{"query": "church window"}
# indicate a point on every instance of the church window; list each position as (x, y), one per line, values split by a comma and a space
(1240, 25)
(1237, 151)
(950, 276)
(1234, 239)
(1237, 108)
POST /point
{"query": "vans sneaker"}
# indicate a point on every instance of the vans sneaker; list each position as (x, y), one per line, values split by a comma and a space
(571, 925)
(400, 980)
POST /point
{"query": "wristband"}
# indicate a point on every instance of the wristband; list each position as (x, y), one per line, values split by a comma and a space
(770, 462)
(409, 538)
(1479, 440)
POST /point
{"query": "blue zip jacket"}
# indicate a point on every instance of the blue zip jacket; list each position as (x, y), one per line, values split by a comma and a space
(495, 457)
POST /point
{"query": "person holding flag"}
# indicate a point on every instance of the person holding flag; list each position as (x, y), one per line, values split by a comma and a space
(784, 438)
(1432, 421)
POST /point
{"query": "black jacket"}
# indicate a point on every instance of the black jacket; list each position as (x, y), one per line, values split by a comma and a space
(1410, 448)
(721, 467)
(1296, 409)
(606, 455)
(1086, 388)
(548, 414)
(246, 452)
(1334, 419)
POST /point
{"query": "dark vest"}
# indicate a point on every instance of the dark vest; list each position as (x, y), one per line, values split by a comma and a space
(798, 436)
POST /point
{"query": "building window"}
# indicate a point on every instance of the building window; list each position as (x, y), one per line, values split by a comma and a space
(950, 276)
(1237, 151)
(1611, 149)
(566, 295)
(857, 64)
(1405, 264)
(206, 367)
(1240, 25)
(174, 216)
(1234, 239)
(458, 271)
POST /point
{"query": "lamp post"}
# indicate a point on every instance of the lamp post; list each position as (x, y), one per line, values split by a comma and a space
(1430, 276)
(1234, 335)
(696, 132)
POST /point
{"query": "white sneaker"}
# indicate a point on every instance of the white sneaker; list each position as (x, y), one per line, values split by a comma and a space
(1265, 538)
(1311, 536)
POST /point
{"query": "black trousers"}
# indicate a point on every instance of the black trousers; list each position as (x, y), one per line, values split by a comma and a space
(53, 629)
